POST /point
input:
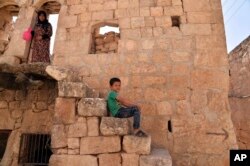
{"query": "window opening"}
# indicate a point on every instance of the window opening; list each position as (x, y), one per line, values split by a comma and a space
(53, 19)
(14, 18)
(53, 9)
(35, 149)
(105, 39)
(175, 21)
(170, 126)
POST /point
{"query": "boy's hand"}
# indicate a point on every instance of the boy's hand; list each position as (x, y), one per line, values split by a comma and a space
(139, 107)
(126, 102)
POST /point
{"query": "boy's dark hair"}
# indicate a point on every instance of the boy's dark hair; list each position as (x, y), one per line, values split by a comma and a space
(113, 80)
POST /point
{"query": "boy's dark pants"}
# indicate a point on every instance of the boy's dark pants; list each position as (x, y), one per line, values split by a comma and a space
(129, 112)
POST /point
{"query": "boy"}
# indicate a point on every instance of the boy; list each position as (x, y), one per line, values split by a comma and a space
(122, 108)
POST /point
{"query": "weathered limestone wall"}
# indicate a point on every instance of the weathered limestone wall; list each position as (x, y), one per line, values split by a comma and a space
(239, 96)
(21, 113)
(6, 27)
(179, 75)
(82, 134)
(176, 74)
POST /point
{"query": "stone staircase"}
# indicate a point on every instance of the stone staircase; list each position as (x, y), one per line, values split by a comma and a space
(83, 134)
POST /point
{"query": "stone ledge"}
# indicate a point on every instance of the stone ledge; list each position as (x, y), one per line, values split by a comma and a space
(157, 157)
(98, 145)
(74, 160)
(23, 75)
(138, 145)
(72, 89)
(114, 126)
(32, 68)
(92, 107)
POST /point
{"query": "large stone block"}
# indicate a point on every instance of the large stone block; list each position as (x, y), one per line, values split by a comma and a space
(103, 15)
(73, 143)
(199, 17)
(196, 6)
(74, 160)
(158, 157)
(130, 159)
(78, 129)
(92, 107)
(10, 60)
(137, 22)
(65, 110)
(62, 74)
(97, 145)
(6, 122)
(124, 23)
(196, 29)
(113, 159)
(68, 21)
(3, 104)
(138, 145)
(58, 136)
(114, 126)
(164, 2)
(204, 79)
(72, 89)
(156, 11)
(93, 126)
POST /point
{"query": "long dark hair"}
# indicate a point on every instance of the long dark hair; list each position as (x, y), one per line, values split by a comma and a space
(45, 15)
(43, 24)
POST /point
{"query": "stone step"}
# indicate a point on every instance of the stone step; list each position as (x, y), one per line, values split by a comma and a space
(72, 89)
(115, 126)
(158, 157)
(69, 79)
(137, 145)
(76, 90)
(92, 107)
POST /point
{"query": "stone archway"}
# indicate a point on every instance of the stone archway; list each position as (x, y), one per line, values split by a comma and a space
(40, 3)
(7, 2)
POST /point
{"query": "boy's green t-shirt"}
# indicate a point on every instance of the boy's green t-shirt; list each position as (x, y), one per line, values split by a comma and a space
(113, 104)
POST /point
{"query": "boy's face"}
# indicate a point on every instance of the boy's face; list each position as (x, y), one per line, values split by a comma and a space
(116, 86)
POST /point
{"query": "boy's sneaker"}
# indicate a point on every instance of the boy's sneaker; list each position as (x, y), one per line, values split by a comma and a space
(141, 133)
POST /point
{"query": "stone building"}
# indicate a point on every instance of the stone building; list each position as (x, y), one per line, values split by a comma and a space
(171, 57)
(239, 61)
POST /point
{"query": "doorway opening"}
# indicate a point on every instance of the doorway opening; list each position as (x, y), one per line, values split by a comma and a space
(4, 135)
(52, 9)
(35, 149)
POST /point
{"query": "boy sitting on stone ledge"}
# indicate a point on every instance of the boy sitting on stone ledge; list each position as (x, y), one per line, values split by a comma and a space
(122, 108)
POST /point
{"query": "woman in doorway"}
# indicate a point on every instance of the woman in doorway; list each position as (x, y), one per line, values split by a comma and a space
(41, 38)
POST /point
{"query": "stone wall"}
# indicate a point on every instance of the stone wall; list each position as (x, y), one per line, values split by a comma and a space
(82, 134)
(239, 96)
(24, 111)
(6, 27)
(178, 75)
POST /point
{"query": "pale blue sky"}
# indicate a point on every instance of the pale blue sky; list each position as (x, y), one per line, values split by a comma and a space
(237, 21)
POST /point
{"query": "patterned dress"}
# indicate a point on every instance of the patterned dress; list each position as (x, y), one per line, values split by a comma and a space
(41, 42)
